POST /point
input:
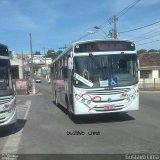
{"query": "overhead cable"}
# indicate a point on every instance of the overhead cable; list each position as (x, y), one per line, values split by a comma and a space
(148, 42)
(125, 10)
(140, 27)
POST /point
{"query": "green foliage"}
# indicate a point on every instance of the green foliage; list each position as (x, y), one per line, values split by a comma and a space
(52, 54)
(153, 50)
(36, 67)
(147, 51)
(37, 53)
(141, 51)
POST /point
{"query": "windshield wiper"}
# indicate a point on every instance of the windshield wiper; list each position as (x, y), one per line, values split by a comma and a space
(92, 58)
(97, 64)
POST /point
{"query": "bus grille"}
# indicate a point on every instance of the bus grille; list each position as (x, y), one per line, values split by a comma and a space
(120, 103)
(108, 92)
(5, 100)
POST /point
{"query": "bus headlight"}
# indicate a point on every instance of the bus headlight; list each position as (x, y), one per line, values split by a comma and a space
(6, 107)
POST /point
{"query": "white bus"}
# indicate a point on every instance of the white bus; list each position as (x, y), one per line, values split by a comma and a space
(7, 96)
(96, 76)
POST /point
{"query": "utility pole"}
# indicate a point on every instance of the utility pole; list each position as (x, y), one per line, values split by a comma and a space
(114, 33)
(45, 63)
(32, 67)
(22, 64)
(45, 55)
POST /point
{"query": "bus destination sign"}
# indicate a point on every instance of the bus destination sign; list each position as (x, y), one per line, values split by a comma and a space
(104, 46)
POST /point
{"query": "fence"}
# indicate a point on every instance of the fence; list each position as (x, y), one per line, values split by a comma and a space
(149, 83)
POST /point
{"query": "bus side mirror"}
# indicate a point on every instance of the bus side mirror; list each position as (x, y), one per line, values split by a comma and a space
(70, 63)
(65, 72)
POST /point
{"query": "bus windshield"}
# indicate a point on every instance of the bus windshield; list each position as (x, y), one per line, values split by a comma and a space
(105, 70)
(6, 87)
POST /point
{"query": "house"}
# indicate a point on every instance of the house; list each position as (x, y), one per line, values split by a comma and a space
(149, 69)
(17, 68)
(17, 64)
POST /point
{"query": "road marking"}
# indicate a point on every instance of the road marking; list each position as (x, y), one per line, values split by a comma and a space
(28, 103)
(21, 108)
(12, 143)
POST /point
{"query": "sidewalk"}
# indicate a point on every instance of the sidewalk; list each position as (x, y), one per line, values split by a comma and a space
(149, 90)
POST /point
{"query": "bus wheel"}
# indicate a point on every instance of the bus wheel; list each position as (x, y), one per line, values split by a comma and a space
(69, 111)
(70, 114)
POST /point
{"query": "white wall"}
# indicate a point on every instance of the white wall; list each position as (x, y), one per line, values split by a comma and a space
(18, 62)
(155, 73)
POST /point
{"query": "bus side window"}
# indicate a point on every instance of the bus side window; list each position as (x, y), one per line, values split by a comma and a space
(64, 72)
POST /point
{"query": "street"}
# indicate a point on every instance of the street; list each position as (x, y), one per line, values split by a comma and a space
(43, 128)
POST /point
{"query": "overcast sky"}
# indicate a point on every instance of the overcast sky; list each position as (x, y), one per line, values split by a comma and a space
(55, 23)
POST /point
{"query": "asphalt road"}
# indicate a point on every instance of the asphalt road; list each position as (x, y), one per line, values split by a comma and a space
(44, 128)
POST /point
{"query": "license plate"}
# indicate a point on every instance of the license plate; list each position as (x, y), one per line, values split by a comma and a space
(108, 107)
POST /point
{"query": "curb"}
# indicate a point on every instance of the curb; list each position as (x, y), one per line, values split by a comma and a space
(148, 91)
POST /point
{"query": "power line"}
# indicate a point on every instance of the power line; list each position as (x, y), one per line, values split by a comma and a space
(148, 42)
(119, 14)
(113, 20)
(125, 10)
(151, 32)
(84, 36)
(157, 34)
(140, 27)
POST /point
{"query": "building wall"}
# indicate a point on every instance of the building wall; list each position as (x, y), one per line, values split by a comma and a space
(155, 73)
(152, 80)
(18, 62)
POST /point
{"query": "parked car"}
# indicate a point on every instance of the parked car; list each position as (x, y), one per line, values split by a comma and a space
(38, 80)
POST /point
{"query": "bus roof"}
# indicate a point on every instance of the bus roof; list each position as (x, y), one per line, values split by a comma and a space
(62, 54)
(84, 41)
(4, 51)
(92, 40)
(3, 45)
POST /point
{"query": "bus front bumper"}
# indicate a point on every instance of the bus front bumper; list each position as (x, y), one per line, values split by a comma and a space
(8, 118)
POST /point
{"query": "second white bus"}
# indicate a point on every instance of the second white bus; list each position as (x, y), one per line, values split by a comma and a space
(96, 76)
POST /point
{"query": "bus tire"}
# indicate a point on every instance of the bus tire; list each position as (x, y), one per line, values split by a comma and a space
(69, 112)
(9, 129)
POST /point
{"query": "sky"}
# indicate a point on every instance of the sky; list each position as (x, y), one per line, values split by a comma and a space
(56, 23)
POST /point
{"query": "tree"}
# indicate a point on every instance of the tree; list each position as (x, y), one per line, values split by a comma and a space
(153, 50)
(36, 67)
(59, 52)
(141, 51)
(37, 53)
(52, 54)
